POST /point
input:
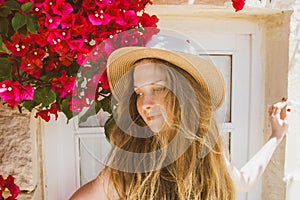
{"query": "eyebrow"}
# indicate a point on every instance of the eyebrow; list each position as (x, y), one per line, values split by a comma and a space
(152, 83)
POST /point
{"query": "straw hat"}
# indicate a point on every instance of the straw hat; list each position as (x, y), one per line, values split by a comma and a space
(204, 72)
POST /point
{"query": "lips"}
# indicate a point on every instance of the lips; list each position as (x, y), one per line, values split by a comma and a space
(153, 117)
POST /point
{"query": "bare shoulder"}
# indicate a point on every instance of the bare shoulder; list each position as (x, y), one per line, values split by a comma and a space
(99, 188)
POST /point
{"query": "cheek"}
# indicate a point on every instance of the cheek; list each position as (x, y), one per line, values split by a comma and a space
(139, 106)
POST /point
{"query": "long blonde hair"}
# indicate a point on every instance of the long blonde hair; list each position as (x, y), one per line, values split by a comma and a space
(190, 163)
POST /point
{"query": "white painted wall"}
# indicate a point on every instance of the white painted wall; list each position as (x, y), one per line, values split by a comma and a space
(60, 170)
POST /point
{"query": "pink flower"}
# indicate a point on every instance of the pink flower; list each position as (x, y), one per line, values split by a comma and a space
(27, 92)
(64, 85)
(62, 8)
(13, 92)
(99, 17)
(128, 19)
(76, 44)
(238, 4)
(52, 22)
(82, 55)
(104, 2)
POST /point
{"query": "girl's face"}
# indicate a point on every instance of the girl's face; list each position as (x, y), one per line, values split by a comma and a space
(150, 87)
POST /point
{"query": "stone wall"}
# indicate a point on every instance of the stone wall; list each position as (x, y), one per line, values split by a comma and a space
(18, 152)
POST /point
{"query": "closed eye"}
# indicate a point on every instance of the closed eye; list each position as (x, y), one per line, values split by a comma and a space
(159, 90)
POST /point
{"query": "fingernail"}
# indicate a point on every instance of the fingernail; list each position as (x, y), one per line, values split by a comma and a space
(288, 110)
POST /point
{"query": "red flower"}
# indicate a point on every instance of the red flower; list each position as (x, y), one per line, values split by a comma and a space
(9, 184)
(37, 53)
(136, 5)
(73, 21)
(41, 38)
(238, 4)
(20, 45)
(63, 85)
(32, 66)
(45, 114)
(104, 81)
(148, 21)
(13, 92)
(89, 4)
(76, 104)
(32, 63)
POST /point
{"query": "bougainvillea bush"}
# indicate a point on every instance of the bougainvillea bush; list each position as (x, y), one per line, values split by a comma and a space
(52, 50)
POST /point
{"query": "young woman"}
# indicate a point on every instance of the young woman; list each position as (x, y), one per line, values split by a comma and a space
(166, 144)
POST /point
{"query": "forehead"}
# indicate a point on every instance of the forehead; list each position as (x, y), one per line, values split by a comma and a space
(148, 73)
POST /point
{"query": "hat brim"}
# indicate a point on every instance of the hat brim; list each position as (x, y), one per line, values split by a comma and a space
(203, 71)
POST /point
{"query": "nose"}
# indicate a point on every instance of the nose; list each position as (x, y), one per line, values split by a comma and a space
(148, 101)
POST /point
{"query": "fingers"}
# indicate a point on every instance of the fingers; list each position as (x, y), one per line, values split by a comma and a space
(279, 109)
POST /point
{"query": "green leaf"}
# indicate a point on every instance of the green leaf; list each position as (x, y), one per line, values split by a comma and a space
(44, 96)
(3, 47)
(4, 12)
(32, 23)
(109, 124)
(23, 30)
(5, 69)
(106, 104)
(29, 105)
(18, 21)
(26, 7)
(12, 5)
(3, 26)
(65, 107)
(49, 75)
(49, 98)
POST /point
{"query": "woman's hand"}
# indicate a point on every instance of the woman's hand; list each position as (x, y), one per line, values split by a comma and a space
(278, 118)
